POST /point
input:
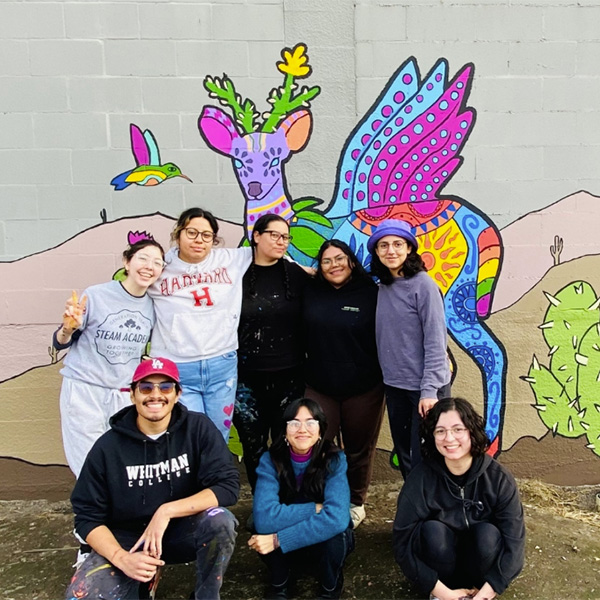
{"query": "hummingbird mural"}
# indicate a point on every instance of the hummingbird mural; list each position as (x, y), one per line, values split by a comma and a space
(148, 169)
(395, 164)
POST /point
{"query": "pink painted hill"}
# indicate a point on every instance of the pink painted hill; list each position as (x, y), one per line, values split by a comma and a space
(36, 287)
(527, 242)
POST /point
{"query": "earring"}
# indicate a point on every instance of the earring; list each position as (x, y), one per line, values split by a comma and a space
(286, 441)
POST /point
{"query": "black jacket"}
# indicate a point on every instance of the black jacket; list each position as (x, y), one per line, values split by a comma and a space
(127, 475)
(340, 337)
(489, 495)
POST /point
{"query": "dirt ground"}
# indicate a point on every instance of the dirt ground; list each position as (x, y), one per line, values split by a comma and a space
(562, 552)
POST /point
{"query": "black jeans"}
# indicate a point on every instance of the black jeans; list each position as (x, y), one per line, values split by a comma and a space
(207, 538)
(403, 414)
(461, 559)
(260, 400)
(327, 558)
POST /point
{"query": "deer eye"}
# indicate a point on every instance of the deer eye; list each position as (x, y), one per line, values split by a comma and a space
(238, 163)
(274, 163)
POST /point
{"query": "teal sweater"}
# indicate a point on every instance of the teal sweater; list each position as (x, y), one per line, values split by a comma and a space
(299, 525)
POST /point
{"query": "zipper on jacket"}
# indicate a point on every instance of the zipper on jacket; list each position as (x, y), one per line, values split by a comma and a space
(462, 495)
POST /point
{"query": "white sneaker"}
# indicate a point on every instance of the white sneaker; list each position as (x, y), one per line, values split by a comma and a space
(357, 514)
(81, 556)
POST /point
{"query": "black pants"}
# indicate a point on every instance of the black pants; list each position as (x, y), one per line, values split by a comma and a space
(403, 414)
(260, 400)
(207, 538)
(460, 559)
(326, 558)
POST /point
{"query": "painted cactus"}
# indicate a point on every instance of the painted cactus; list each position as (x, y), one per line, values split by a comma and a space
(567, 392)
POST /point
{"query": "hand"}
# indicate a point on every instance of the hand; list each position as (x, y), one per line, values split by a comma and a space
(318, 507)
(263, 544)
(485, 593)
(443, 592)
(153, 534)
(137, 565)
(425, 405)
(73, 315)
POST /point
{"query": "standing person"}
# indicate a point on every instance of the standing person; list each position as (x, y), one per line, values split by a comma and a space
(459, 528)
(106, 333)
(151, 493)
(342, 370)
(301, 504)
(411, 335)
(271, 352)
(198, 301)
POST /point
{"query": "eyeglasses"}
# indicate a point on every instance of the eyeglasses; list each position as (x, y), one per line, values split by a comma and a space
(385, 246)
(312, 425)
(156, 263)
(192, 234)
(276, 236)
(336, 260)
(457, 432)
(146, 387)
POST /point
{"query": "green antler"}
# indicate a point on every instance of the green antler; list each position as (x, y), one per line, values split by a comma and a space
(223, 89)
(294, 66)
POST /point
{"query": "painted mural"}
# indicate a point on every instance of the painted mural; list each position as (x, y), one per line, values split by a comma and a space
(394, 165)
(524, 334)
(149, 170)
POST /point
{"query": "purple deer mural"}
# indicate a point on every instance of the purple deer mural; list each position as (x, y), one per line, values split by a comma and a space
(394, 164)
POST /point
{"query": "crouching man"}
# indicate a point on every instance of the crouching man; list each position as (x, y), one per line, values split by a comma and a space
(151, 493)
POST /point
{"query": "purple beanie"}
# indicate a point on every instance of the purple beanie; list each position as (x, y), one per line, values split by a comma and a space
(392, 227)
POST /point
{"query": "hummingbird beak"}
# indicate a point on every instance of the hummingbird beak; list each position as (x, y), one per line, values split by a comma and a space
(186, 177)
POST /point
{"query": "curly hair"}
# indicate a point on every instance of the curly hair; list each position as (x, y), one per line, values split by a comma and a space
(358, 270)
(323, 453)
(260, 227)
(412, 265)
(468, 415)
(192, 213)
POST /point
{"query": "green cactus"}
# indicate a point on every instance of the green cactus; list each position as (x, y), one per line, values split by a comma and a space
(567, 392)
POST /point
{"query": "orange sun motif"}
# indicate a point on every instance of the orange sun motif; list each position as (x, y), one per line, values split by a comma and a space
(444, 252)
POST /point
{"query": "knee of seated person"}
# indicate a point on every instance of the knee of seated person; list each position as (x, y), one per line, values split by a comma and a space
(218, 520)
(486, 538)
(436, 538)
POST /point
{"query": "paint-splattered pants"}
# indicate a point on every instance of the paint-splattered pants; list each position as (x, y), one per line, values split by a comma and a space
(208, 538)
(261, 398)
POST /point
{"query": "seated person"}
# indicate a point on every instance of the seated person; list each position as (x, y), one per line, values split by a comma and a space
(459, 529)
(302, 502)
(151, 492)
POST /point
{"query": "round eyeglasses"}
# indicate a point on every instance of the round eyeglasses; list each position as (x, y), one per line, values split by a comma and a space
(439, 433)
(155, 263)
(276, 236)
(396, 245)
(312, 425)
(192, 234)
(146, 387)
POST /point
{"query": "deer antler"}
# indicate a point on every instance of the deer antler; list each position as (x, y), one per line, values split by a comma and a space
(223, 89)
(294, 66)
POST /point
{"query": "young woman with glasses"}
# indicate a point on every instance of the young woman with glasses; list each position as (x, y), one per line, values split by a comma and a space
(459, 530)
(342, 371)
(411, 335)
(197, 301)
(271, 350)
(301, 503)
(106, 332)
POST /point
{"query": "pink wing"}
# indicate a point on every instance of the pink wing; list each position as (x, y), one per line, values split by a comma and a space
(139, 147)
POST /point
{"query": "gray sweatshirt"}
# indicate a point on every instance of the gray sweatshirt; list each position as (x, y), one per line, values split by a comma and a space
(411, 335)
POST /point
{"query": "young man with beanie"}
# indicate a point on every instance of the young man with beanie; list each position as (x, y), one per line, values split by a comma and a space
(152, 492)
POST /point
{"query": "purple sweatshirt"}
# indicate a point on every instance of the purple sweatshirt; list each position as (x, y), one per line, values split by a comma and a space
(411, 335)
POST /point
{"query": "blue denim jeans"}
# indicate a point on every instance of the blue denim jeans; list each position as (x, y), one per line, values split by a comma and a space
(208, 386)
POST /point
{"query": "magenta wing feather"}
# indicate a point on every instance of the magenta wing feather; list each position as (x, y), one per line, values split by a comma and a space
(139, 147)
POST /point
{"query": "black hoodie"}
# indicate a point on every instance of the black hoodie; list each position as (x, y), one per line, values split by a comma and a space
(127, 475)
(489, 495)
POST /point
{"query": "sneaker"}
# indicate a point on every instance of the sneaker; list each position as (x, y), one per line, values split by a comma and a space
(277, 592)
(334, 594)
(357, 514)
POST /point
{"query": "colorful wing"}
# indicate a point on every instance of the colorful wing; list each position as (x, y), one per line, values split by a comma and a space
(152, 148)
(407, 146)
(139, 146)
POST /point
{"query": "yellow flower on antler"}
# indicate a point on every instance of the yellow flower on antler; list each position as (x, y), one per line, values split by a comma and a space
(294, 61)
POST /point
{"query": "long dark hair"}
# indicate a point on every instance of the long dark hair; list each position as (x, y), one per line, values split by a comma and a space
(192, 213)
(323, 454)
(412, 265)
(358, 271)
(260, 227)
(470, 418)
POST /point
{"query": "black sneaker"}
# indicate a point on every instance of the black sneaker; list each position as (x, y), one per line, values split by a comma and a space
(277, 592)
(335, 593)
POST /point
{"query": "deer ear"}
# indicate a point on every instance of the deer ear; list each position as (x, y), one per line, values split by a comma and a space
(217, 129)
(297, 128)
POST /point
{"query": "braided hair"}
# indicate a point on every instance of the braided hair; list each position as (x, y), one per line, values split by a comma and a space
(260, 227)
